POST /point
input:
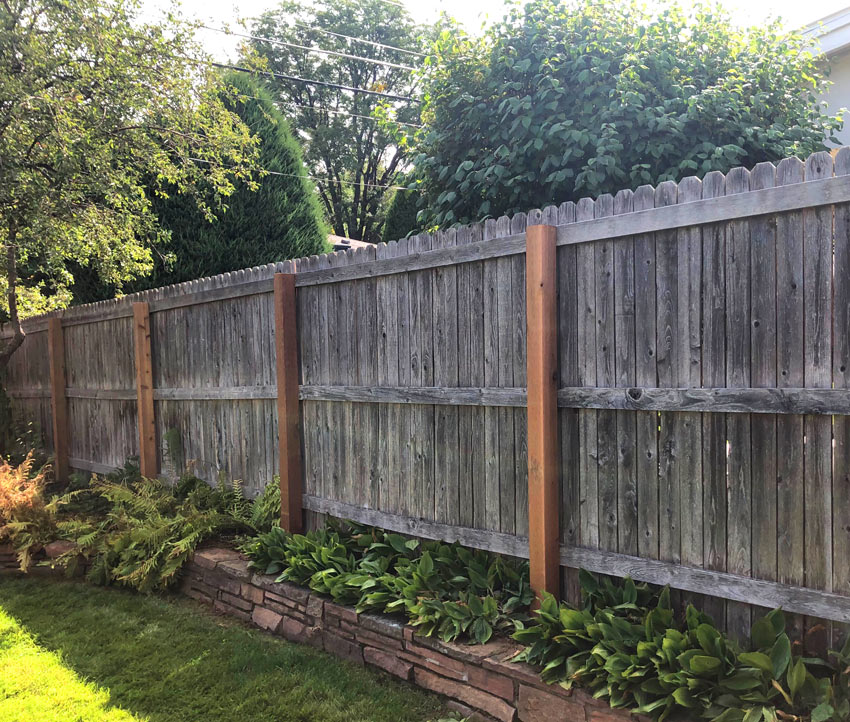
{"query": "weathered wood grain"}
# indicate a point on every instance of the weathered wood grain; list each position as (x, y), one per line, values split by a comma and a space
(817, 347)
(841, 380)
(646, 452)
(763, 373)
(58, 400)
(625, 376)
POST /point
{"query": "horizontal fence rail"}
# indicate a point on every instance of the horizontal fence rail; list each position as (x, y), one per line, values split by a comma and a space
(653, 384)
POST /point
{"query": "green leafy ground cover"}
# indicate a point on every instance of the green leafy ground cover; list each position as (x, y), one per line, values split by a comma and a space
(70, 652)
(625, 643)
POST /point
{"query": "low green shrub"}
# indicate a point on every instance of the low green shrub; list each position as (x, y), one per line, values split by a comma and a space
(625, 646)
(443, 589)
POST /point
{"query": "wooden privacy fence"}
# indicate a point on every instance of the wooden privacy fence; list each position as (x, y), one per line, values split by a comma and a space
(653, 383)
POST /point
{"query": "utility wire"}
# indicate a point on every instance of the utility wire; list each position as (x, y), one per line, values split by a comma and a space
(309, 49)
(358, 40)
(312, 177)
(295, 79)
(351, 115)
(323, 109)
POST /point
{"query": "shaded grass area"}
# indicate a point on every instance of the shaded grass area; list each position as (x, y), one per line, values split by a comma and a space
(70, 651)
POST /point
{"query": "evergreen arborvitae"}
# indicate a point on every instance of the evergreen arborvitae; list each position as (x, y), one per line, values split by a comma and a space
(401, 216)
(281, 219)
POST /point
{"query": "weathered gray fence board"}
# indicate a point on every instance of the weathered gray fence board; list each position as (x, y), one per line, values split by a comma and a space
(841, 380)
(763, 373)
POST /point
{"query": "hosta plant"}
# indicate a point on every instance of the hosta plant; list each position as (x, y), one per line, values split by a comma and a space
(625, 645)
(443, 589)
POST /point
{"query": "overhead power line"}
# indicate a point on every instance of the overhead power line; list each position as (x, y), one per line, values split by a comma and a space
(351, 115)
(312, 177)
(321, 51)
(306, 81)
(323, 109)
(360, 40)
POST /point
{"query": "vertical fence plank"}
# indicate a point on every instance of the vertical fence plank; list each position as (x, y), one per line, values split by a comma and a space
(516, 350)
(624, 323)
(288, 412)
(817, 302)
(144, 391)
(688, 373)
(646, 422)
(606, 421)
(568, 313)
(667, 362)
(389, 477)
(841, 380)
(59, 402)
(789, 361)
(740, 497)
(763, 350)
(488, 508)
(470, 304)
(446, 451)
(542, 371)
(586, 348)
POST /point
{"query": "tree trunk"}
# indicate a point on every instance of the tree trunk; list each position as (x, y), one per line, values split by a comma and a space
(9, 346)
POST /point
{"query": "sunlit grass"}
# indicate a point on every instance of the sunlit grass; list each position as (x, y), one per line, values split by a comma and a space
(70, 651)
(36, 686)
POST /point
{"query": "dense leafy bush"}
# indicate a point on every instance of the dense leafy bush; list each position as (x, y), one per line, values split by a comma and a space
(625, 645)
(444, 589)
(563, 100)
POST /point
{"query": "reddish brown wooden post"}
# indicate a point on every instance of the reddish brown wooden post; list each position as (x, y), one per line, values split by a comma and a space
(288, 411)
(144, 390)
(542, 382)
(59, 402)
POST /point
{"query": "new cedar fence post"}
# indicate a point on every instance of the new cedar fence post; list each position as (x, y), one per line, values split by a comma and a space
(59, 402)
(542, 381)
(288, 412)
(144, 390)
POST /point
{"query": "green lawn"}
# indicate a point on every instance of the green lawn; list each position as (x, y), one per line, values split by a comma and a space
(77, 653)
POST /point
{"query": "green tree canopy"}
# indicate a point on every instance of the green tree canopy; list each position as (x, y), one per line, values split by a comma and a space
(351, 153)
(94, 104)
(564, 100)
(280, 219)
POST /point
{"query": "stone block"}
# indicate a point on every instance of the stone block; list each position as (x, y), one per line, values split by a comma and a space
(252, 594)
(435, 661)
(491, 682)
(378, 640)
(535, 705)
(494, 706)
(343, 613)
(235, 601)
(315, 607)
(266, 619)
(209, 558)
(224, 608)
(382, 624)
(236, 568)
(223, 582)
(388, 662)
(342, 647)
